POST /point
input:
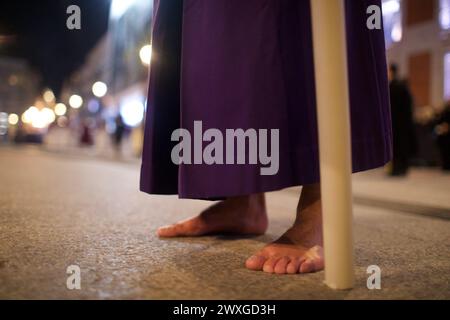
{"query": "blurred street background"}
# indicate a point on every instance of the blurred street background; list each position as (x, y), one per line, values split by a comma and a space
(79, 90)
(72, 104)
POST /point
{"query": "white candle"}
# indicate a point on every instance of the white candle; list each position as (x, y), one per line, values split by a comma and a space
(330, 54)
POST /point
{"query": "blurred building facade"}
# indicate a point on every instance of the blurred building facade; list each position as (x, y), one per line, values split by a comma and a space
(419, 43)
(417, 35)
(117, 61)
(18, 85)
(18, 88)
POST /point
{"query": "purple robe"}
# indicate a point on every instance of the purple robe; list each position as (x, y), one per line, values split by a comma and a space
(249, 64)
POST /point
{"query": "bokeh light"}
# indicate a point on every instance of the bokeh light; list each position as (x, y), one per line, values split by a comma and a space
(38, 118)
(132, 112)
(13, 119)
(60, 109)
(75, 101)
(396, 33)
(93, 105)
(146, 54)
(29, 114)
(48, 115)
(48, 96)
(99, 89)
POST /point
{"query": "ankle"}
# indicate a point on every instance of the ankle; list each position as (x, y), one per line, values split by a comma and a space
(250, 203)
(257, 201)
(309, 197)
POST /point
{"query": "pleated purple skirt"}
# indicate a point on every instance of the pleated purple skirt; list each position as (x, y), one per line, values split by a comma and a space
(249, 64)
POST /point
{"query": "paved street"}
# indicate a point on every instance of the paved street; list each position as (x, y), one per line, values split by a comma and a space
(58, 210)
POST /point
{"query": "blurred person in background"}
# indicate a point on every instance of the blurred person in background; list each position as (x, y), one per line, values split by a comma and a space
(118, 134)
(404, 143)
(86, 138)
(442, 131)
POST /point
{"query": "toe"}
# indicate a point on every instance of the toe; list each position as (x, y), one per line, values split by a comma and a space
(293, 266)
(307, 266)
(167, 231)
(269, 265)
(188, 228)
(255, 262)
(319, 264)
(314, 260)
(280, 267)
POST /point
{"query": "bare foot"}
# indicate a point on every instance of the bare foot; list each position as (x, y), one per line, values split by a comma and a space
(299, 250)
(244, 215)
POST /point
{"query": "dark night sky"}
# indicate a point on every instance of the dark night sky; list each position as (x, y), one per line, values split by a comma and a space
(37, 31)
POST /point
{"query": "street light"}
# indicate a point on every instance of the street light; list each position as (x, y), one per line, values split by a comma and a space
(119, 7)
(132, 112)
(39, 121)
(99, 89)
(146, 54)
(29, 114)
(49, 96)
(48, 115)
(75, 101)
(13, 119)
(60, 109)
